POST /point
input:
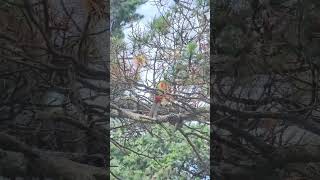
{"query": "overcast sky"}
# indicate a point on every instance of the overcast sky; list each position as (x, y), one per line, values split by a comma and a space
(149, 10)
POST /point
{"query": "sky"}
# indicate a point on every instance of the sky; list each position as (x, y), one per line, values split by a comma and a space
(149, 11)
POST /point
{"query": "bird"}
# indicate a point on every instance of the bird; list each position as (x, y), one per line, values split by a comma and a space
(159, 98)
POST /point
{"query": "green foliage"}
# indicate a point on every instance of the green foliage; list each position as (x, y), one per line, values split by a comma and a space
(117, 42)
(160, 25)
(122, 13)
(202, 2)
(191, 48)
(172, 154)
(199, 57)
(145, 38)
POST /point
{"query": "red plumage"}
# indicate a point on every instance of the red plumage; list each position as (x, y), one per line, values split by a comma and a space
(158, 99)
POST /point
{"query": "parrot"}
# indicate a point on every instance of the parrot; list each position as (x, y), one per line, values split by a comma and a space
(155, 106)
(160, 97)
(139, 62)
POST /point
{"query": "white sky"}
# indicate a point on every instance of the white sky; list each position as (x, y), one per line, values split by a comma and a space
(149, 11)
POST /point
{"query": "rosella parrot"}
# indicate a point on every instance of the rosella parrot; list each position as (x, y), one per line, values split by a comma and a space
(160, 98)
